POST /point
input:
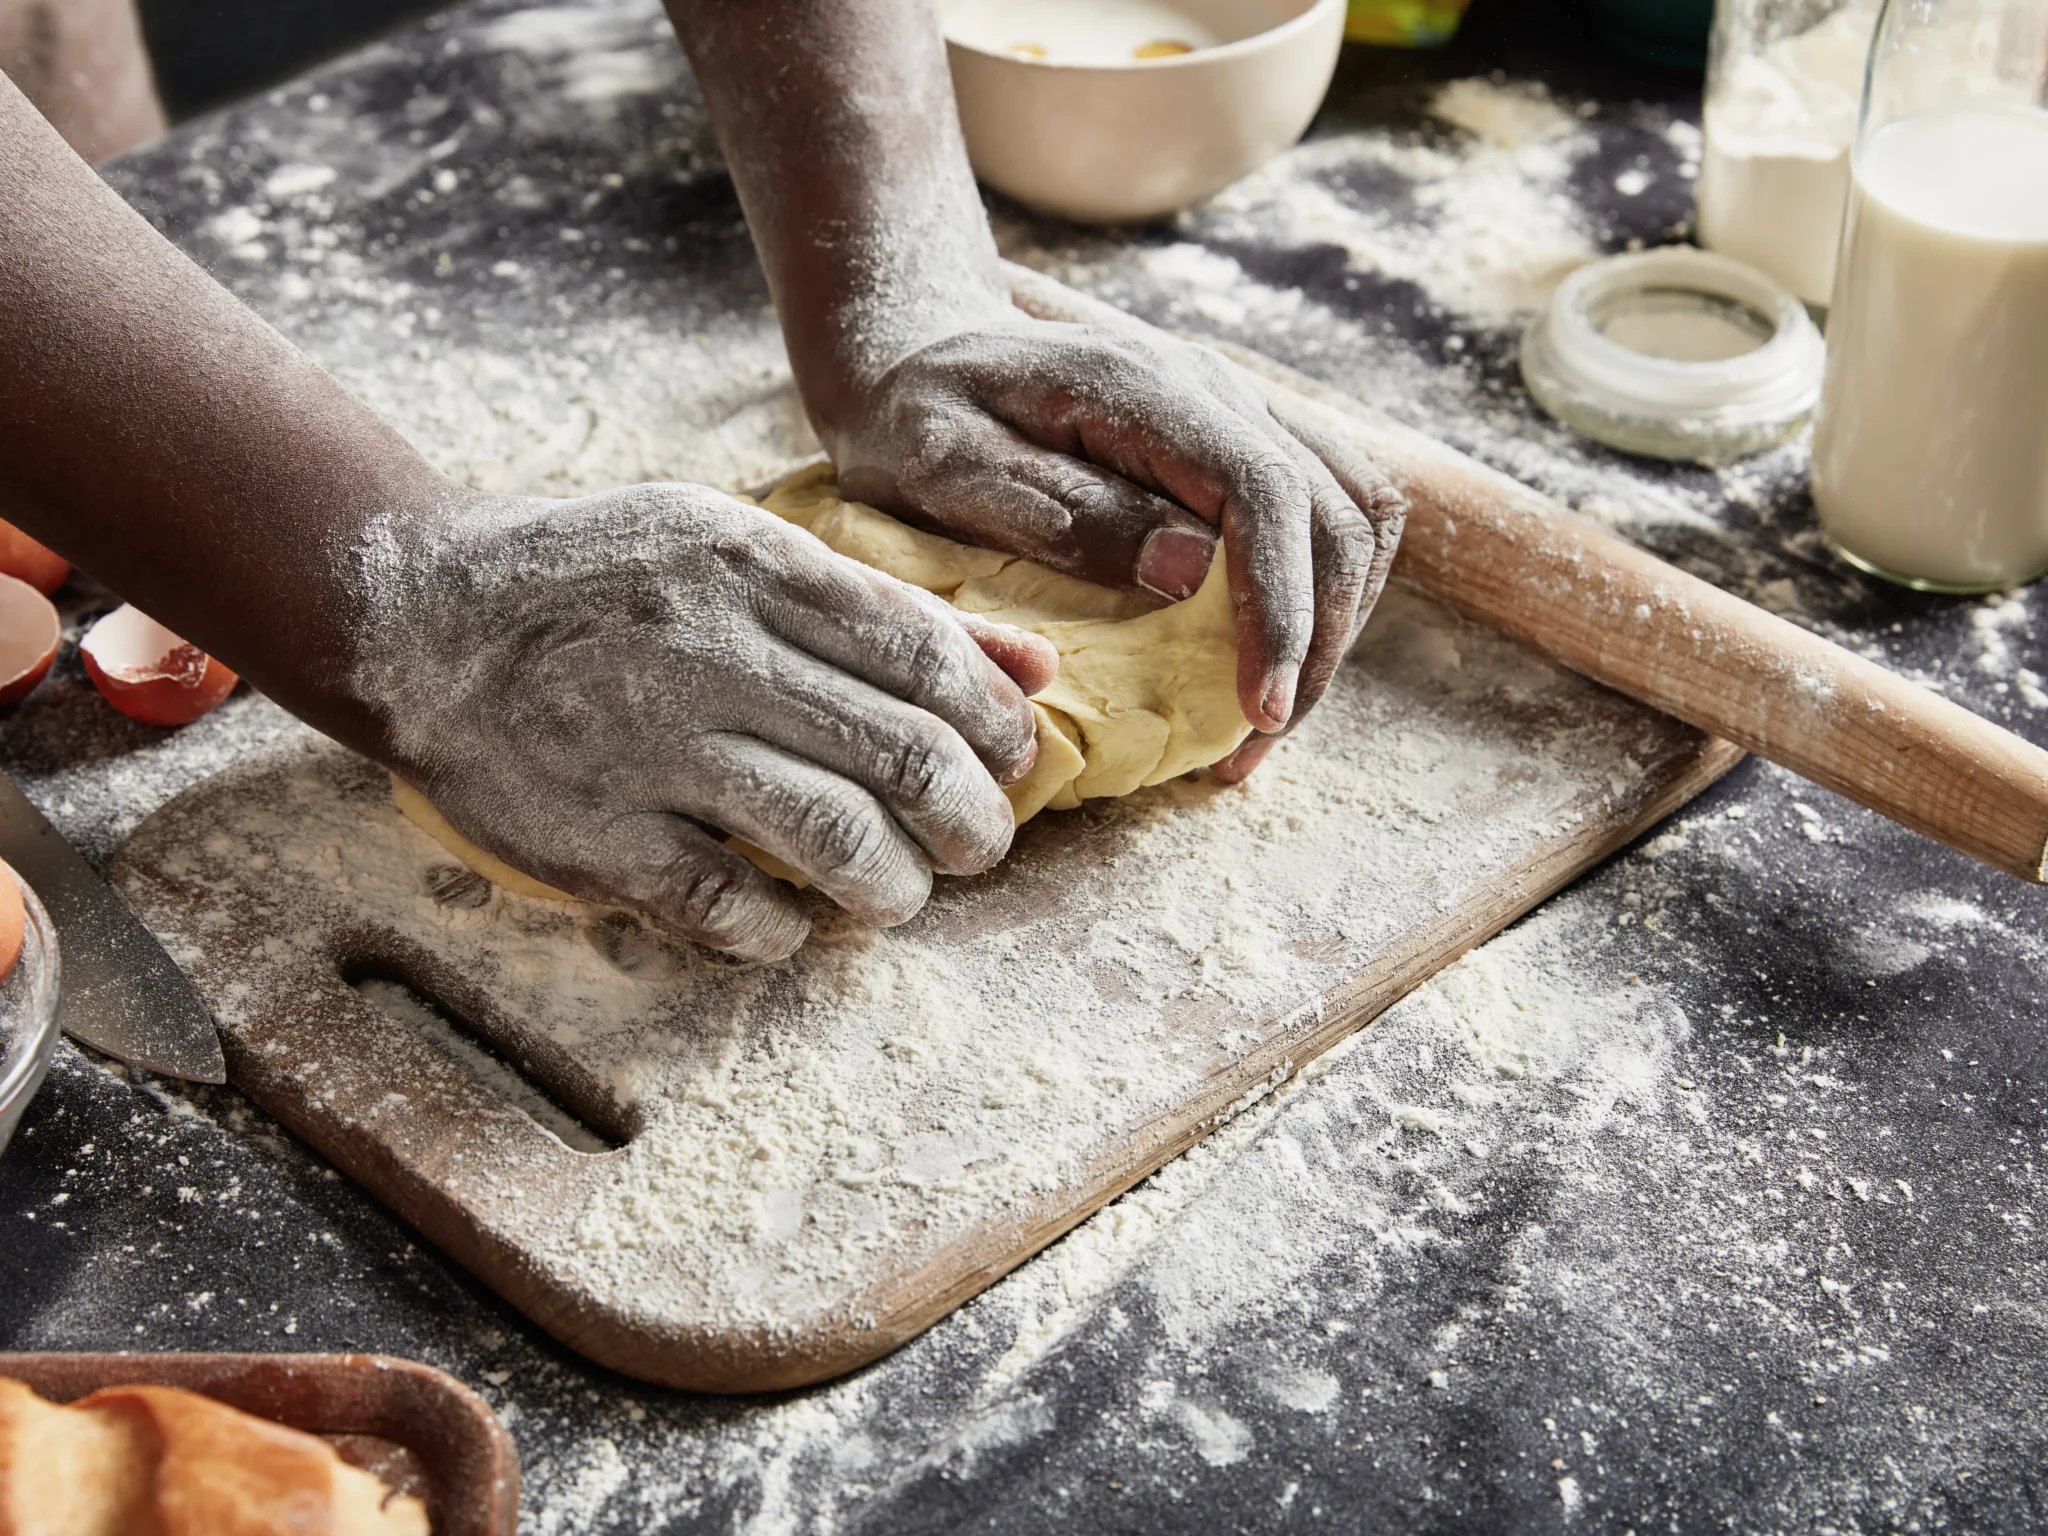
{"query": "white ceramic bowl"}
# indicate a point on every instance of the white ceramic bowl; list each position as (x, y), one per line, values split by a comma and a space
(1120, 142)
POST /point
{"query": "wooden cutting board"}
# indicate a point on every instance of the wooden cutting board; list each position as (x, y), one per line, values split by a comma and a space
(736, 1178)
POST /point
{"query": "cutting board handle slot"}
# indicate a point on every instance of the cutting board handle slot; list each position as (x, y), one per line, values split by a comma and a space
(406, 1002)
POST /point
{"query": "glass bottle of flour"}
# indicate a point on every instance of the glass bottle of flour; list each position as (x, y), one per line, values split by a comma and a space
(1784, 79)
(1930, 452)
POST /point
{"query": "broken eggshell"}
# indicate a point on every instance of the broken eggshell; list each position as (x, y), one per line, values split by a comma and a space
(24, 559)
(150, 674)
(29, 632)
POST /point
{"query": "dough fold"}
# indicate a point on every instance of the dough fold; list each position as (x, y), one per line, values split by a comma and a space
(1142, 695)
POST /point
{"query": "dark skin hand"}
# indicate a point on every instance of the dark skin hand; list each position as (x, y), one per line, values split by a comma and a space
(595, 690)
(1111, 458)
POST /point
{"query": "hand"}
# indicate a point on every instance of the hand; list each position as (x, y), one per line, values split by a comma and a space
(599, 691)
(1118, 459)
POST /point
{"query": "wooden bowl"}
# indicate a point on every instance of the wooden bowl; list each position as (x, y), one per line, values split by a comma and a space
(1120, 142)
(419, 1429)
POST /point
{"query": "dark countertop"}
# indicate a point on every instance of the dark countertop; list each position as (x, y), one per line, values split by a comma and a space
(1705, 1197)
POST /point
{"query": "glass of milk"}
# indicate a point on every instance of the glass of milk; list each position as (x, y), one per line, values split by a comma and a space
(1784, 80)
(1930, 450)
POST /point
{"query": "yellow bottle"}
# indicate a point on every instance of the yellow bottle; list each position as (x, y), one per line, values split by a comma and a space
(1404, 23)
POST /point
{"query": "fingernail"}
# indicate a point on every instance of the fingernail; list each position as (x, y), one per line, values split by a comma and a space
(1278, 702)
(1024, 765)
(1237, 767)
(1173, 562)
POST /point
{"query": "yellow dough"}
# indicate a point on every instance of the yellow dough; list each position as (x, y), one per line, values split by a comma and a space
(1143, 694)
(419, 810)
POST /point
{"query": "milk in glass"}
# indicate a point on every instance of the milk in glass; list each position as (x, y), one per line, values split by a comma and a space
(1930, 454)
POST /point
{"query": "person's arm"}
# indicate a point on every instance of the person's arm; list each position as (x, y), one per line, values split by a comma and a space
(596, 691)
(83, 64)
(940, 402)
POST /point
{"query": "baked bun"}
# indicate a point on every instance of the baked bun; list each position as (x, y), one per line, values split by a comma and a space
(157, 1461)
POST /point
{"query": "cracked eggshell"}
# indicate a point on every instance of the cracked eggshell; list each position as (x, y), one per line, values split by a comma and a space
(29, 632)
(150, 674)
(25, 560)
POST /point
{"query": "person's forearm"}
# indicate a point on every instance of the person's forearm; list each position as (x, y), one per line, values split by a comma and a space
(161, 436)
(839, 126)
(84, 65)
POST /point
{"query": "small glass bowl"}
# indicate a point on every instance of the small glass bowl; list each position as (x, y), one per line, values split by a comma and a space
(28, 1015)
(1676, 353)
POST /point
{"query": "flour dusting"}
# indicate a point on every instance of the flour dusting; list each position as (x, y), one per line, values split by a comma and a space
(797, 1135)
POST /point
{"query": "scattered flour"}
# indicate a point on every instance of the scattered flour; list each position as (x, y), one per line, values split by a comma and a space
(797, 1134)
(1486, 226)
(1325, 1210)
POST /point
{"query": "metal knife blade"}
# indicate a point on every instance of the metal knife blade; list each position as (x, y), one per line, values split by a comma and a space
(123, 995)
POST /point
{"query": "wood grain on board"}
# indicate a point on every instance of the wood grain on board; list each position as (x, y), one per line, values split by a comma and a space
(279, 881)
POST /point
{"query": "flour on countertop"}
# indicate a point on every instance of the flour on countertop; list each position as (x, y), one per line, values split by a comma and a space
(1485, 226)
(795, 1133)
(779, 1130)
(1639, 1242)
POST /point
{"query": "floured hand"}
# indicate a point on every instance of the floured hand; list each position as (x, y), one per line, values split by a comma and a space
(1108, 457)
(1119, 460)
(598, 691)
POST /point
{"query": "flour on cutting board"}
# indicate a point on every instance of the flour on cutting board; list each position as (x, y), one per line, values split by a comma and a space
(794, 1131)
(1332, 1211)
(774, 1156)
(1531, 1046)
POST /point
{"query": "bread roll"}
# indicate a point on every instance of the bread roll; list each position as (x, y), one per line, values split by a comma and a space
(156, 1461)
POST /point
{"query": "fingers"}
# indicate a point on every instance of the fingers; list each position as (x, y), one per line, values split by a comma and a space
(912, 763)
(1341, 544)
(687, 881)
(910, 644)
(1368, 487)
(1030, 661)
(997, 488)
(1251, 752)
(1355, 536)
(1190, 433)
(839, 836)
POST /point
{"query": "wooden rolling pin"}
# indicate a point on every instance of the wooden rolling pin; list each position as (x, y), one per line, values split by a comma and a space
(1508, 557)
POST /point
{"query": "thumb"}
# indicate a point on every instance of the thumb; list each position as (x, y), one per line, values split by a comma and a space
(1030, 660)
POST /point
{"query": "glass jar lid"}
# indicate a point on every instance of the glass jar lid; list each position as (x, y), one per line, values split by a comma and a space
(1676, 353)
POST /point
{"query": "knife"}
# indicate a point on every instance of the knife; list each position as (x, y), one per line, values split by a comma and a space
(122, 995)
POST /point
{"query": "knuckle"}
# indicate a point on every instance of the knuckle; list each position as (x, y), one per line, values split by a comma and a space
(845, 836)
(1274, 480)
(1231, 384)
(932, 659)
(922, 768)
(934, 444)
(987, 835)
(1389, 515)
(710, 900)
(1354, 546)
(744, 544)
(1115, 369)
(1021, 734)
